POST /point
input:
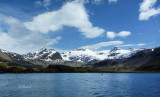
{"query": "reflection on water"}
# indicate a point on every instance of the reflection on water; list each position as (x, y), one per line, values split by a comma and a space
(80, 85)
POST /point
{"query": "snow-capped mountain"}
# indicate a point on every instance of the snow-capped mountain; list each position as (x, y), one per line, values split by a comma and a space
(82, 55)
(136, 59)
(77, 55)
(86, 55)
(10, 55)
(117, 53)
(44, 54)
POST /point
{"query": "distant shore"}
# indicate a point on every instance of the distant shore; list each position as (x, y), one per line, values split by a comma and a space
(66, 69)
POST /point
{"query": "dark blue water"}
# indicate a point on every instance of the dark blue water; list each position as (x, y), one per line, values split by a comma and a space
(80, 85)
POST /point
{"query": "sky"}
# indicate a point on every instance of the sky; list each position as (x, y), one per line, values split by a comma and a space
(29, 25)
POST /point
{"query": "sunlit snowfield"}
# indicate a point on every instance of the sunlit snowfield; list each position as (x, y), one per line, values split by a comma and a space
(80, 85)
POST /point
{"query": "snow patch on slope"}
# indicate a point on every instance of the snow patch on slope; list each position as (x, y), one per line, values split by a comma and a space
(86, 55)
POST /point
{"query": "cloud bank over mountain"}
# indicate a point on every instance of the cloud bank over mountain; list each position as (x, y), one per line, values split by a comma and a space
(17, 38)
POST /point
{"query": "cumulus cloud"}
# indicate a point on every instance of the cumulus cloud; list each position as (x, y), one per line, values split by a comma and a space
(72, 14)
(44, 3)
(112, 1)
(112, 35)
(148, 10)
(16, 38)
(124, 33)
(102, 44)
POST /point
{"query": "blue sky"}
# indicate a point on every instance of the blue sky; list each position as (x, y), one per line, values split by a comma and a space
(28, 25)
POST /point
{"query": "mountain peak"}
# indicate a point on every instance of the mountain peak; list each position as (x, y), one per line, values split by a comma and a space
(43, 49)
(44, 54)
(114, 49)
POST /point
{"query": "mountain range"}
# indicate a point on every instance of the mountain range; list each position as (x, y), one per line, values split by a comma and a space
(115, 59)
(81, 55)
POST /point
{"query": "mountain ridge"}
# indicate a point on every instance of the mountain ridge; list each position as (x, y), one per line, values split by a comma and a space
(115, 60)
(148, 58)
(82, 55)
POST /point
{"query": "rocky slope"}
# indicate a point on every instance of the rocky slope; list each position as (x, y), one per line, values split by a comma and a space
(148, 59)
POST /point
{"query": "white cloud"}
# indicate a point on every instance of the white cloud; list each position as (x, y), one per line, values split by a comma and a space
(141, 44)
(102, 44)
(112, 1)
(44, 3)
(1, 29)
(94, 2)
(110, 43)
(126, 45)
(129, 45)
(147, 4)
(54, 41)
(147, 9)
(72, 14)
(112, 35)
(124, 33)
(92, 32)
(19, 39)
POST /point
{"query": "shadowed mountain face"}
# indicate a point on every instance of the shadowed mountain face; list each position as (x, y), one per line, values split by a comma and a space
(12, 62)
(149, 59)
(147, 56)
(12, 57)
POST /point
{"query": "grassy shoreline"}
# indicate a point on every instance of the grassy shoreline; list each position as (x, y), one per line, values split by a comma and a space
(68, 69)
